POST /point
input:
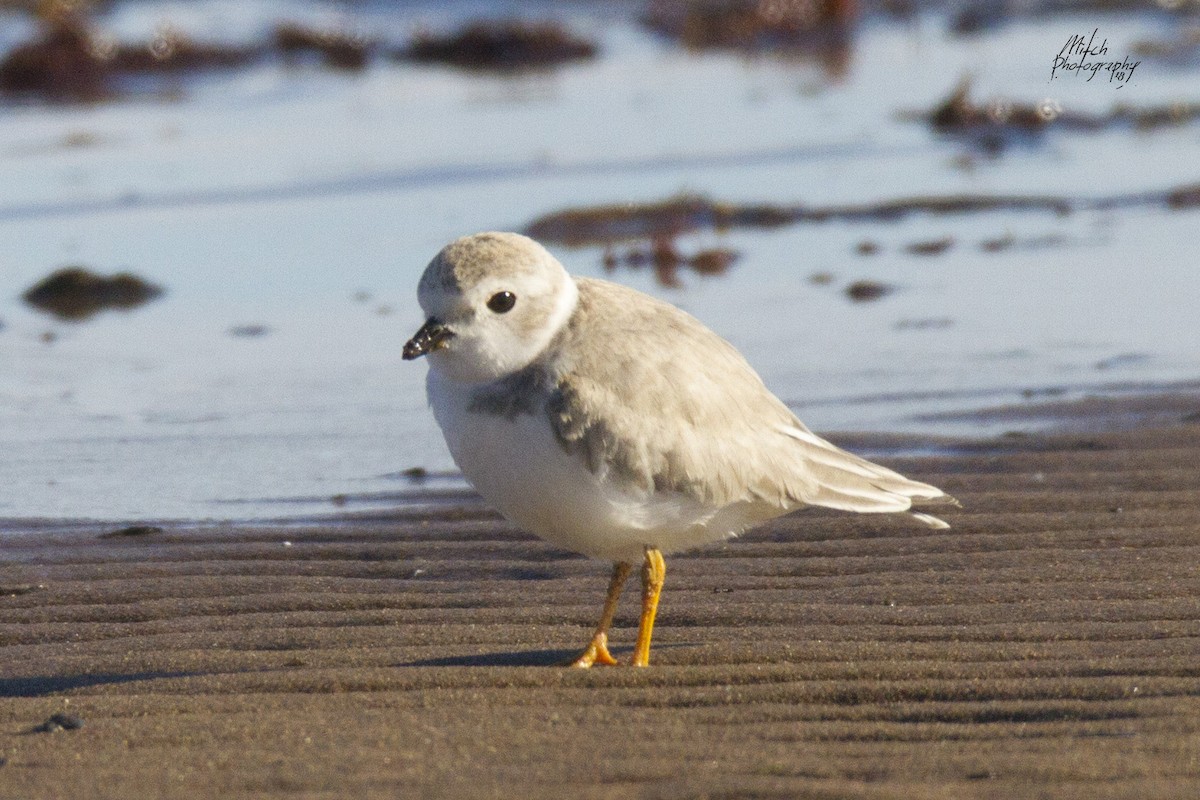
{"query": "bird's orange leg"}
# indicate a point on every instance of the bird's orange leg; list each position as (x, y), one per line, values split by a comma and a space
(654, 572)
(597, 650)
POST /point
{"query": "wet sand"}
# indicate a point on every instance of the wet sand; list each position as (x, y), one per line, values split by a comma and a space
(1047, 646)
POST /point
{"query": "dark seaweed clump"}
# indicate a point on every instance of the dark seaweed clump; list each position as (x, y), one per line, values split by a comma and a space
(997, 124)
(60, 64)
(336, 49)
(68, 62)
(505, 45)
(173, 52)
(623, 222)
(608, 224)
(667, 219)
(865, 291)
(75, 293)
(751, 24)
(820, 31)
(665, 259)
(1182, 49)
(930, 247)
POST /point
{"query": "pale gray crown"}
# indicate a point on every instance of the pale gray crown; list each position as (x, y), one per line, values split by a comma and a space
(466, 261)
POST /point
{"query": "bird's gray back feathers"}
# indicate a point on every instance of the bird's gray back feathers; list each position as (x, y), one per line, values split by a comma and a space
(701, 423)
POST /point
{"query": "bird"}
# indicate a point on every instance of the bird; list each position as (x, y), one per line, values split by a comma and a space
(616, 425)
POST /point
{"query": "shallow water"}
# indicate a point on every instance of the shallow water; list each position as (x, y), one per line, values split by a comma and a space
(308, 202)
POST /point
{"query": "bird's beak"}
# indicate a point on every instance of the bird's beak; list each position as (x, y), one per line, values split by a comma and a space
(432, 336)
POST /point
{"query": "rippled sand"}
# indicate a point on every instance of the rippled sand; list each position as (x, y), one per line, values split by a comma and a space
(1045, 646)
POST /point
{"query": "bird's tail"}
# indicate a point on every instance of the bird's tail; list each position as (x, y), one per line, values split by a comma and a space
(848, 482)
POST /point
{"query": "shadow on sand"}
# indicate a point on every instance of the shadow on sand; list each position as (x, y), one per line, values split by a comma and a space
(43, 686)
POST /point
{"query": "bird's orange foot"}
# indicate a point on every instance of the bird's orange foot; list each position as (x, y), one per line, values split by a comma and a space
(595, 653)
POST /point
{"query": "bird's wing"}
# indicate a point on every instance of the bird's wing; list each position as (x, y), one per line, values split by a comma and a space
(666, 404)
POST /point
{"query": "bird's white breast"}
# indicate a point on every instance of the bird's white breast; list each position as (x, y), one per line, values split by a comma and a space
(517, 465)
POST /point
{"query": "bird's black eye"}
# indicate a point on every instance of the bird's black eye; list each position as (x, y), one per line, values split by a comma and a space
(502, 302)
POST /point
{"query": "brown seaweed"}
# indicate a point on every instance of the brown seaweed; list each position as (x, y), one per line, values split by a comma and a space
(76, 293)
(994, 125)
(628, 222)
(666, 260)
(820, 30)
(503, 45)
(337, 49)
(60, 64)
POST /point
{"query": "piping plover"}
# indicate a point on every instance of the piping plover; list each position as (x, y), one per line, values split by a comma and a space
(611, 423)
